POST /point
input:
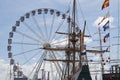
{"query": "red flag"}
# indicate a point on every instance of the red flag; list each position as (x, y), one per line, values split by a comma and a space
(106, 16)
(106, 37)
(105, 4)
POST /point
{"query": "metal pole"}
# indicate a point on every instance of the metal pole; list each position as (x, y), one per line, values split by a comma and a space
(101, 55)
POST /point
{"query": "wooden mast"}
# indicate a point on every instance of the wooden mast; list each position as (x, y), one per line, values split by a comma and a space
(74, 37)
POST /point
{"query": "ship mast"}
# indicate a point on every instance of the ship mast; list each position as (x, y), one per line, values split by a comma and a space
(74, 39)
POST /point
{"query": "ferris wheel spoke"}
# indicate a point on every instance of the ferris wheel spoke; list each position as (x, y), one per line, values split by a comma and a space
(23, 43)
(39, 63)
(27, 36)
(38, 27)
(34, 32)
(57, 30)
(51, 28)
(26, 52)
(30, 58)
(56, 64)
(54, 56)
(60, 38)
(59, 42)
(45, 26)
(51, 65)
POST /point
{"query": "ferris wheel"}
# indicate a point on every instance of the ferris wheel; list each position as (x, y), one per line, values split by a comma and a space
(31, 34)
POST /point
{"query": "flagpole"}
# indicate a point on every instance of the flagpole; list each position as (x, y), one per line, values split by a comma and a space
(105, 5)
(101, 55)
(118, 33)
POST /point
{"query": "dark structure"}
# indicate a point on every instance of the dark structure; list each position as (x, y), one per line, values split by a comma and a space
(20, 78)
(85, 74)
(114, 73)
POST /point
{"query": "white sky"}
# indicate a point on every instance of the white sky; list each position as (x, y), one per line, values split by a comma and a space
(11, 10)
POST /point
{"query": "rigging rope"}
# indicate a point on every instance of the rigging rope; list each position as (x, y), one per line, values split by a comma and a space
(118, 54)
(83, 16)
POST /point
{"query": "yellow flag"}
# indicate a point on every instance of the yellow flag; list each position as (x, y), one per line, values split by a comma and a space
(105, 4)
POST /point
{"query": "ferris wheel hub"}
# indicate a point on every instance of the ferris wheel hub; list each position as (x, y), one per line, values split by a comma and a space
(46, 45)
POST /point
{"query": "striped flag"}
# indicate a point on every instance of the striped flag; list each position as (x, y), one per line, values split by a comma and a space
(107, 49)
(106, 16)
(105, 4)
(106, 26)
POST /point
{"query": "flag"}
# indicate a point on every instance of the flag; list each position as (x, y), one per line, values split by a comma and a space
(83, 53)
(68, 11)
(106, 37)
(106, 26)
(106, 16)
(107, 49)
(105, 4)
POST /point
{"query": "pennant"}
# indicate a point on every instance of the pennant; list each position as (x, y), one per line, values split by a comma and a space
(106, 37)
(106, 26)
(106, 16)
(68, 11)
(107, 49)
(105, 4)
(83, 53)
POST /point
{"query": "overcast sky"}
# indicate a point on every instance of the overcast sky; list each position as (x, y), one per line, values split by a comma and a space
(11, 10)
